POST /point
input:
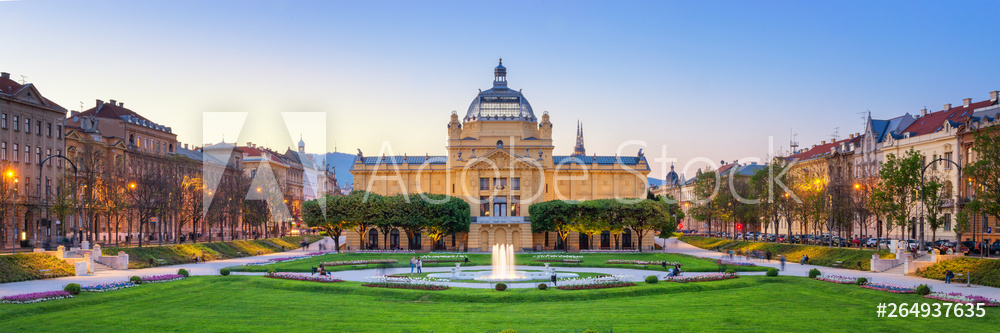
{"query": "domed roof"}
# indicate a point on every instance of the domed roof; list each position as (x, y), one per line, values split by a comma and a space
(500, 102)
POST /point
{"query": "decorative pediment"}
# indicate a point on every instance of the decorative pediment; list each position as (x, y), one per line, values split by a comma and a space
(31, 95)
(501, 159)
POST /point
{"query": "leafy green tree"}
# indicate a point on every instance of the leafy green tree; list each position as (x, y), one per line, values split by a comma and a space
(706, 189)
(648, 215)
(984, 171)
(591, 219)
(553, 216)
(446, 215)
(360, 209)
(900, 179)
(932, 193)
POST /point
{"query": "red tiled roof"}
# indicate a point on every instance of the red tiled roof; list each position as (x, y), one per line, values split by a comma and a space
(11, 87)
(819, 150)
(254, 151)
(108, 110)
(933, 121)
(726, 167)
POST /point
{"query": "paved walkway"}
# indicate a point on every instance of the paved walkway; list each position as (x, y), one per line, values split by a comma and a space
(793, 268)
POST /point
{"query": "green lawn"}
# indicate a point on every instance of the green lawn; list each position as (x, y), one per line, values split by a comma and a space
(690, 263)
(255, 303)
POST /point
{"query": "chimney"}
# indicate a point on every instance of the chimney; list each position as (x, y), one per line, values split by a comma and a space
(993, 95)
(923, 113)
(822, 142)
(966, 102)
(100, 103)
(113, 102)
(850, 136)
(5, 75)
(74, 113)
(947, 107)
(185, 146)
(122, 104)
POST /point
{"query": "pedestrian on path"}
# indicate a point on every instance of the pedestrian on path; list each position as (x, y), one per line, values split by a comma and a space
(413, 264)
(420, 264)
(553, 278)
(782, 262)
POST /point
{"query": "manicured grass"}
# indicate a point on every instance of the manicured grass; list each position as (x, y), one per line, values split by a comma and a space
(26, 266)
(139, 257)
(254, 303)
(581, 274)
(985, 272)
(818, 255)
(690, 263)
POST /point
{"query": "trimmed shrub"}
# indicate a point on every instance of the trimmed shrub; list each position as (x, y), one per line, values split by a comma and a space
(135, 279)
(183, 272)
(225, 272)
(72, 288)
(730, 271)
(652, 279)
(32, 266)
(271, 271)
(813, 273)
(542, 286)
(501, 286)
(862, 281)
(923, 290)
(772, 272)
(985, 272)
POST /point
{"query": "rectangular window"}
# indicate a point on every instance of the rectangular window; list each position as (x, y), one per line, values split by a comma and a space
(48, 129)
(546, 239)
(38, 128)
(3, 148)
(3, 121)
(484, 184)
(48, 186)
(58, 131)
(500, 183)
(15, 153)
(27, 154)
(947, 222)
(16, 124)
(48, 153)
(935, 164)
(947, 156)
(27, 185)
(515, 205)
(38, 155)
(484, 206)
(515, 184)
(59, 160)
(452, 188)
(27, 125)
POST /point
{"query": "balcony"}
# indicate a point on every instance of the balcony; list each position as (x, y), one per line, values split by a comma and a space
(500, 219)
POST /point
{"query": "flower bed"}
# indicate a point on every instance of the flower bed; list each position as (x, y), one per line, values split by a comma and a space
(304, 277)
(609, 251)
(837, 279)
(700, 278)
(403, 285)
(162, 278)
(596, 286)
(284, 259)
(891, 288)
(35, 297)
(638, 262)
(556, 256)
(361, 262)
(384, 251)
(735, 263)
(102, 287)
(570, 261)
(963, 299)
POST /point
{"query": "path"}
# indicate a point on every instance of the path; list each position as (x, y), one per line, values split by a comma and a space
(793, 268)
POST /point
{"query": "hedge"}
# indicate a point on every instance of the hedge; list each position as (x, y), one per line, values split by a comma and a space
(818, 255)
(25, 266)
(985, 272)
(139, 257)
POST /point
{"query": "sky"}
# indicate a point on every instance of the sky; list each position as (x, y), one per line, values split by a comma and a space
(698, 80)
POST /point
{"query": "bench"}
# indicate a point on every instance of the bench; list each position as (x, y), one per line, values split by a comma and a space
(45, 272)
(160, 262)
(643, 266)
(838, 263)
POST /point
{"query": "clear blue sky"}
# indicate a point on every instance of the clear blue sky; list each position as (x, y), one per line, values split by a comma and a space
(708, 79)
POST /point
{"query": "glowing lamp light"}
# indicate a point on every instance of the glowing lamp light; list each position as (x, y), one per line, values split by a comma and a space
(131, 185)
(857, 186)
(24, 235)
(258, 190)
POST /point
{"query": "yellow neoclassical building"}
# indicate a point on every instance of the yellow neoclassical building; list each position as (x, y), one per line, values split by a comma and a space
(500, 160)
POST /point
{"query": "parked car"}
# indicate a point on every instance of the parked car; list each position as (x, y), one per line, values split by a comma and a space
(995, 247)
(970, 247)
(872, 242)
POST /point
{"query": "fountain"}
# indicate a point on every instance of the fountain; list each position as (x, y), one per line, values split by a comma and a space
(502, 269)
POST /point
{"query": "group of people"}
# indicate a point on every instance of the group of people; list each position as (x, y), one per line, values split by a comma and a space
(674, 270)
(321, 270)
(418, 264)
(751, 254)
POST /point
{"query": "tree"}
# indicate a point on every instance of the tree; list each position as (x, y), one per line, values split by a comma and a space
(590, 219)
(648, 215)
(446, 215)
(984, 171)
(932, 193)
(553, 216)
(361, 208)
(333, 220)
(900, 179)
(706, 189)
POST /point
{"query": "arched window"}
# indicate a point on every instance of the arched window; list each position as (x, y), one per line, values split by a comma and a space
(131, 139)
(627, 239)
(394, 239)
(372, 239)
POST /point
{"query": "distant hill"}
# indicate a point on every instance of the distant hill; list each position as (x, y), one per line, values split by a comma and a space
(343, 163)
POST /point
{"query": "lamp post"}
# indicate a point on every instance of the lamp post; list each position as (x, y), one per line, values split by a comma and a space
(923, 197)
(9, 175)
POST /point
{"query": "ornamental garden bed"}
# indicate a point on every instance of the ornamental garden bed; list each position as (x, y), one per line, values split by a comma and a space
(818, 255)
(36, 297)
(404, 285)
(700, 278)
(32, 266)
(837, 279)
(360, 262)
(891, 288)
(102, 287)
(152, 256)
(162, 278)
(567, 261)
(597, 286)
(304, 277)
(639, 262)
(963, 299)
(735, 263)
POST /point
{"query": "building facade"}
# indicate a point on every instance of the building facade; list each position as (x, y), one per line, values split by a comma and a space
(500, 159)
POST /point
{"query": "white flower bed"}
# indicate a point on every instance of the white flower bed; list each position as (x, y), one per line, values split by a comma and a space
(609, 251)
(597, 279)
(557, 256)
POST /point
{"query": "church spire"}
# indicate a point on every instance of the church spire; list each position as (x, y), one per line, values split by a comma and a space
(579, 150)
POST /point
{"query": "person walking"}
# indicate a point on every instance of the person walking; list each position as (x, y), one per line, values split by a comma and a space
(413, 264)
(553, 278)
(782, 262)
(420, 265)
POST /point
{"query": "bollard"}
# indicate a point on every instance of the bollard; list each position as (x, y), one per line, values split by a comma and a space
(968, 279)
